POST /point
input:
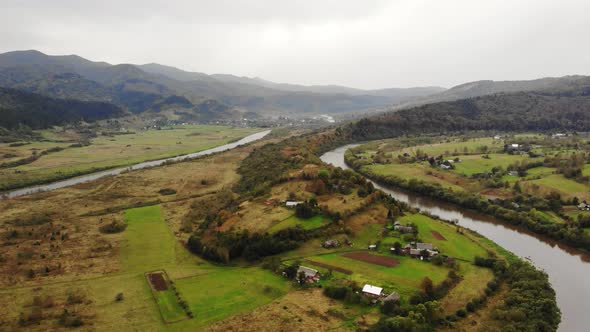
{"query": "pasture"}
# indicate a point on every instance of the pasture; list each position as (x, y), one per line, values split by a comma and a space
(110, 151)
(455, 244)
(307, 224)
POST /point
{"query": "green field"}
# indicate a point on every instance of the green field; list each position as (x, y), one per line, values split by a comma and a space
(150, 244)
(456, 244)
(307, 224)
(113, 151)
(212, 292)
(566, 187)
(418, 171)
(227, 291)
(458, 147)
(473, 164)
(404, 278)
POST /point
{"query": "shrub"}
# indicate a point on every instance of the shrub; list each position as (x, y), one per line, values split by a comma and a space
(116, 226)
(70, 319)
(120, 297)
(461, 313)
(167, 191)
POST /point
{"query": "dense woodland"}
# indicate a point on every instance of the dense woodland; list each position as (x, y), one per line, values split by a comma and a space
(524, 111)
(18, 108)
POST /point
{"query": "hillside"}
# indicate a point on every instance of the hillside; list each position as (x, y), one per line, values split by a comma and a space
(488, 87)
(568, 109)
(37, 111)
(138, 87)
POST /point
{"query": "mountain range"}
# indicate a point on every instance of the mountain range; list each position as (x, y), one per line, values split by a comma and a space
(138, 87)
(160, 90)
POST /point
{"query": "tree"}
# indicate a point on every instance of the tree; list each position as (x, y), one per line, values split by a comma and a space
(397, 248)
(427, 286)
(301, 279)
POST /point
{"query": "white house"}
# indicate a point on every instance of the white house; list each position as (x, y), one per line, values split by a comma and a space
(372, 291)
(292, 203)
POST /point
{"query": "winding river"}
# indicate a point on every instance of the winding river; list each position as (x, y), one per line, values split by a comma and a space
(98, 175)
(567, 267)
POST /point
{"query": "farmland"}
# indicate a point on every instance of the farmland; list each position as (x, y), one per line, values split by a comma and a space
(152, 274)
(70, 157)
(512, 168)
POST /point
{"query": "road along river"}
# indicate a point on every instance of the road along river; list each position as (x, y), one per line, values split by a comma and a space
(568, 268)
(98, 175)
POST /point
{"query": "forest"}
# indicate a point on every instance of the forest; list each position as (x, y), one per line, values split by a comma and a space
(524, 111)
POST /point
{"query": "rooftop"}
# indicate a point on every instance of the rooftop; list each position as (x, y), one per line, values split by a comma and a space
(372, 290)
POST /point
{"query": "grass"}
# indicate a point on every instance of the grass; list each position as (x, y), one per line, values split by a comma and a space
(456, 146)
(150, 244)
(116, 151)
(557, 182)
(456, 244)
(169, 307)
(404, 278)
(473, 164)
(472, 285)
(307, 224)
(227, 291)
(421, 172)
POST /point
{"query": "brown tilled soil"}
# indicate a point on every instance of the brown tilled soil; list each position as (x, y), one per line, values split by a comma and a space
(438, 235)
(329, 267)
(157, 280)
(373, 259)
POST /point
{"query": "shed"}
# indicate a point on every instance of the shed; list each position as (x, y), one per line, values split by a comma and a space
(422, 246)
(311, 275)
(394, 296)
(372, 291)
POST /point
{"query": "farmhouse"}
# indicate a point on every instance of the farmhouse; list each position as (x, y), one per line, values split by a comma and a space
(372, 291)
(332, 243)
(443, 166)
(403, 229)
(310, 275)
(394, 296)
(372, 247)
(292, 203)
(424, 246)
(584, 206)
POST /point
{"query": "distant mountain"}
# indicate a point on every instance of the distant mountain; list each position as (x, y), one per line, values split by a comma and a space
(140, 88)
(37, 111)
(487, 87)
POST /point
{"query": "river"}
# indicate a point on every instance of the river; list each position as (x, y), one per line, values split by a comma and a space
(115, 171)
(568, 268)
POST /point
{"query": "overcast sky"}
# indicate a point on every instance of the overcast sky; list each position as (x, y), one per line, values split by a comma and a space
(365, 44)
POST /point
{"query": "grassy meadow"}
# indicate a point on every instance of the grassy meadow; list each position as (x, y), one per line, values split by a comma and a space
(110, 151)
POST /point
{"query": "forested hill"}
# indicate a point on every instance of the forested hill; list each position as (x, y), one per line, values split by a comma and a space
(37, 111)
(524, 111)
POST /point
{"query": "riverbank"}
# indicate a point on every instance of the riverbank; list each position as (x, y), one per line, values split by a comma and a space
(95, 176)
(565, 267)
(63, 155)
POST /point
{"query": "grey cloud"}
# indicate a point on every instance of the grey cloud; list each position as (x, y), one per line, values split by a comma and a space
(366, 44)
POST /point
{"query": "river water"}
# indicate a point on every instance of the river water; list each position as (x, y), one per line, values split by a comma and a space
(98, 175)
(568, 268)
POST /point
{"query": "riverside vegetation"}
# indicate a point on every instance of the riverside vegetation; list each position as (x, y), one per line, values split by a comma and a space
(227, 209)
(535, 181)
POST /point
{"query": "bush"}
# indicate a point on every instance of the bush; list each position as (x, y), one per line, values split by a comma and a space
(119, 297)
(116, 226)
(461, 313)
(336, 292)
(70, 319)
(167, 191)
